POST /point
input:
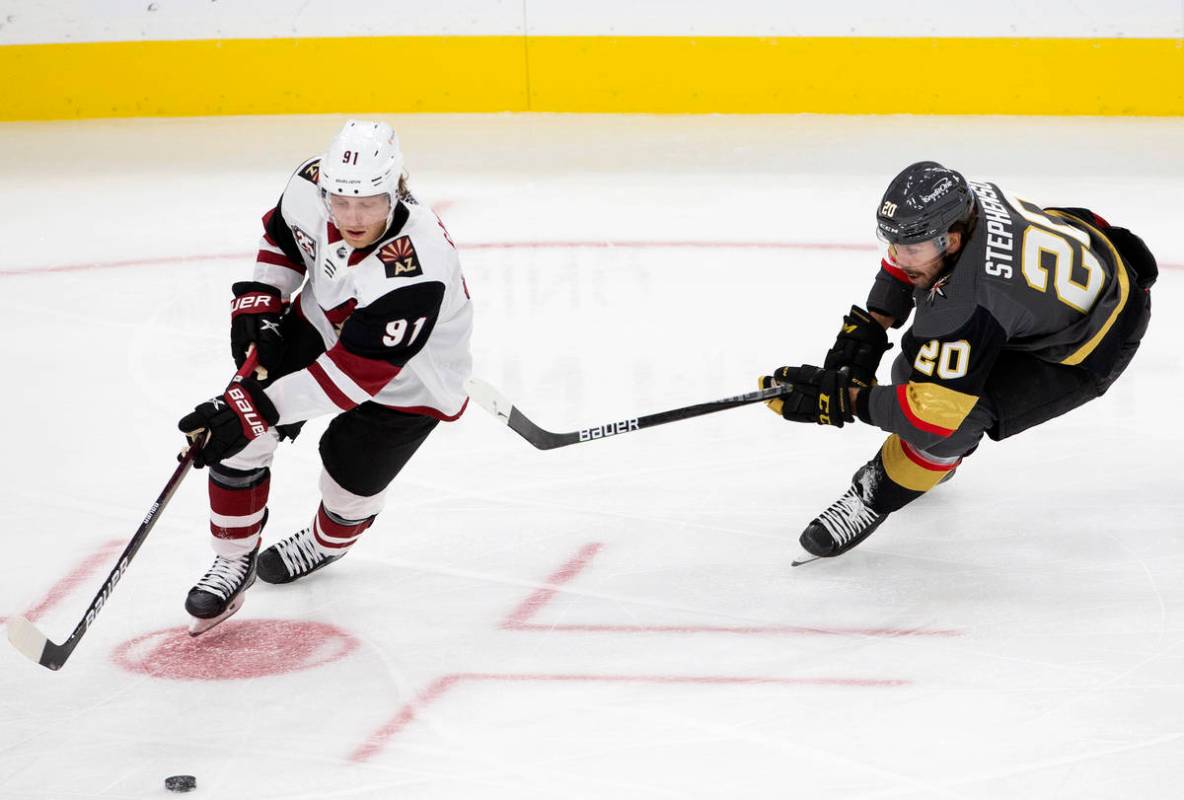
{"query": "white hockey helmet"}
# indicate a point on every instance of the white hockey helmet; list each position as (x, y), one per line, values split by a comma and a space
(364, 159)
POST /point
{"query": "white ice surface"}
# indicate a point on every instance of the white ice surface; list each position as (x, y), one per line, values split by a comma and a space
(679, 656)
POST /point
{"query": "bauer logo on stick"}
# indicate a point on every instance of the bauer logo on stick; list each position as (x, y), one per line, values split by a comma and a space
(611, 429)
(101, 600)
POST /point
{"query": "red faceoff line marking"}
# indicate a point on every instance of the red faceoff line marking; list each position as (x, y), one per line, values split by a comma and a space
(83, 570)
(519, 618)
(409, 712)
(540, 597)
(754, 630)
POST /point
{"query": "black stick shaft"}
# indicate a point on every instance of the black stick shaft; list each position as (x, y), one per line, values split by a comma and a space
(54, 655)
(548, 440)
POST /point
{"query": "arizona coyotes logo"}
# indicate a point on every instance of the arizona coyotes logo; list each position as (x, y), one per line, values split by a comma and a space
(312, 171)
(400, 259)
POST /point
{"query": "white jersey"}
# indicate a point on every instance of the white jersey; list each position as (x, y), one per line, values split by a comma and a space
(395, 317)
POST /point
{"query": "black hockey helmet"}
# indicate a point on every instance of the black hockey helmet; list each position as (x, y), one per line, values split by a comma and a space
(922, 202)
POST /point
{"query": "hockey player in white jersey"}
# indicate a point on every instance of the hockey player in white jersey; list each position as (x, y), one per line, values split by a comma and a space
(358, 309)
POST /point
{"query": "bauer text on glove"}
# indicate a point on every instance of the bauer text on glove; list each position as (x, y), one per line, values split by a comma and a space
(242, 414)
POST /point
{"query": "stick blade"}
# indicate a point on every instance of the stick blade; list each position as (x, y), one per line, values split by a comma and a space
(489, 399)
(26, 638)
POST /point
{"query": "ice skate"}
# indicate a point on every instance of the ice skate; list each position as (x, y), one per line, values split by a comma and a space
(219, 593)
(293, 558)
(847, 522)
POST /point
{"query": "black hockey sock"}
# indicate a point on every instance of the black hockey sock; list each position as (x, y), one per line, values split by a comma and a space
(899, 474)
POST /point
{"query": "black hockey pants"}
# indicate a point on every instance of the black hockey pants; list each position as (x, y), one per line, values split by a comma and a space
(363, 449)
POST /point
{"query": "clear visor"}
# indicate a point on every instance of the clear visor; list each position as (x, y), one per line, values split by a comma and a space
(914, 255)
(347, 211)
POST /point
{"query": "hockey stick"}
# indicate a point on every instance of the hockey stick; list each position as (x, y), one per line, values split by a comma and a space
(35, 645)
(495, 403)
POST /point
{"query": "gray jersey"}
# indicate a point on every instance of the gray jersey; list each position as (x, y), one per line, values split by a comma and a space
(1028, 279)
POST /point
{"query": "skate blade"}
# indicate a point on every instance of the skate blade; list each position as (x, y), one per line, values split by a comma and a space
(803, 557)
(199, 626)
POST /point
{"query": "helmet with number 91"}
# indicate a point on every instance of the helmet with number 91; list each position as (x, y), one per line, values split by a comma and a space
(922, 203)
(363, 160)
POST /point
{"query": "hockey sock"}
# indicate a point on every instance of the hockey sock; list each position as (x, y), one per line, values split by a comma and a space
(238, 508)
(333, 534)
(900, 473)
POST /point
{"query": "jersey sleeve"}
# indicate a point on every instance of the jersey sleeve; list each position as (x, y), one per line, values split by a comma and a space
(949, 373)
(891, 294)
(376, 341)
(278, 262)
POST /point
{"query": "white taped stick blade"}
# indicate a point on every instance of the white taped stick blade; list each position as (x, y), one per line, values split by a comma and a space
(489, 399)
(25, 637)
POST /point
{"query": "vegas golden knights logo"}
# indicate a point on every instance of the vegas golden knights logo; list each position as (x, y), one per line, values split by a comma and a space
(400, 259)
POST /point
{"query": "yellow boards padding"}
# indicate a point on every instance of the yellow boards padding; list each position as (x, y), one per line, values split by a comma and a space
(263, 76)
(649, 74)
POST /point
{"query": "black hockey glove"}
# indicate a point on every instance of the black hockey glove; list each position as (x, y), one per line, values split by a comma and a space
(242, 414)
(819, 395)
(255, 316)
(860, 345)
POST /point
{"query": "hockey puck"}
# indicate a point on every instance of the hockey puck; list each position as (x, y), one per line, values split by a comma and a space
(180, 783)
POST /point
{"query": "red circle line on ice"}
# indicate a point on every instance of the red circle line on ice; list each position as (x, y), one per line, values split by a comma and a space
(235, 650)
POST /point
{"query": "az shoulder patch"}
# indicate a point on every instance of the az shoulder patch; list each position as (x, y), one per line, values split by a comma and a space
(400, 258)
(311, 171)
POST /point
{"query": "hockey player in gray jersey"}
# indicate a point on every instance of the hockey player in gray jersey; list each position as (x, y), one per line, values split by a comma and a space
(357, 308)
(1023, 313)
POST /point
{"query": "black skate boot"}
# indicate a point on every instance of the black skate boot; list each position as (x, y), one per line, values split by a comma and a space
(847, 522)
(219, 593)
(293, 558)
